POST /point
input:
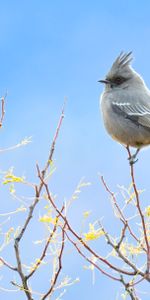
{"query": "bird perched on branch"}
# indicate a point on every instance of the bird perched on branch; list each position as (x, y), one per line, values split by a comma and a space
(125, 105)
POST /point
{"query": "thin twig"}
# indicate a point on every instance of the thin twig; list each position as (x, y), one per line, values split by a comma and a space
(122, 236)
(45, 247)
(54, 141)
(7, 264)
(123, 257)
(30, 214)
(90, 260)
(2, 110)
(122, 217)
(54, 280)
(139, 281)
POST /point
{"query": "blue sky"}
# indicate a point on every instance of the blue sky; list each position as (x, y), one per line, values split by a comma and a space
(55, 49)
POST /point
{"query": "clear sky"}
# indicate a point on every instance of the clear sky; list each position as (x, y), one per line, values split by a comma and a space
(50, 50)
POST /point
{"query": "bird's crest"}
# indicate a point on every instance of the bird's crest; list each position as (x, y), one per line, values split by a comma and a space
(123, 60)
(121, 65)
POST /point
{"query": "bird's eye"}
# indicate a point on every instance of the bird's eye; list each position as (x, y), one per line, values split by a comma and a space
(118, 80)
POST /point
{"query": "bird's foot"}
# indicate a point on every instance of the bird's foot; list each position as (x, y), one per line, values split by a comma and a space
(132, 159)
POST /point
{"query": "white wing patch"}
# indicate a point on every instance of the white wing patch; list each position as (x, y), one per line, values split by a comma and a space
(132, 110)
(121, 103)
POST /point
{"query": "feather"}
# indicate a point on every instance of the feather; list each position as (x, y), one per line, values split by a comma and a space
(139, 114)
(123, 59)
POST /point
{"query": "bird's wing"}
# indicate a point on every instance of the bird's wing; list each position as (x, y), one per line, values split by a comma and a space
(138, 113)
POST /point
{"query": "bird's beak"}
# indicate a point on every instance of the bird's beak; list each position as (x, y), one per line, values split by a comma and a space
(104, 81)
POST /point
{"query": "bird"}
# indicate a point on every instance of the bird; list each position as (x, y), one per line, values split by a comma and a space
(125, 105)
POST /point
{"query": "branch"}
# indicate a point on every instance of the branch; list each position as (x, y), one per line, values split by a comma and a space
(78, 237)
(140, 211)
(20, 271)
(129, 289)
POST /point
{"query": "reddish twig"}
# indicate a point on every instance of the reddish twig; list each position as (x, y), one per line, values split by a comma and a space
(90, 260)
(54, 141)
(2, 110)
(139, 281)
(7, 264)
(122, 217)
(140, 211)
(122, 236)
(54, 280)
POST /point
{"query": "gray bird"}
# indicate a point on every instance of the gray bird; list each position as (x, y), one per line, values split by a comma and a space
(125, 105)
